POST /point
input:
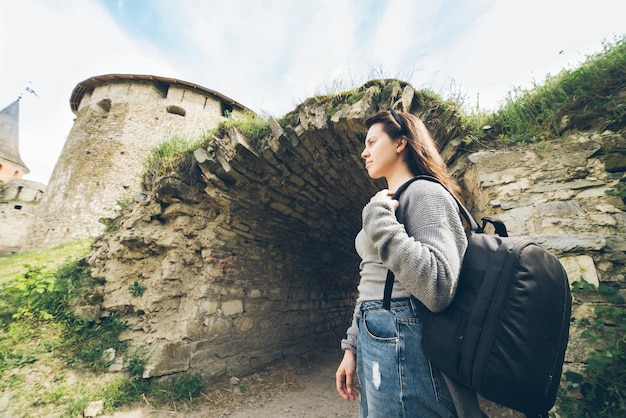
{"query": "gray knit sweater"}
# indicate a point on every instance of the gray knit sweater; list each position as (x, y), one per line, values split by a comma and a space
(425, 261)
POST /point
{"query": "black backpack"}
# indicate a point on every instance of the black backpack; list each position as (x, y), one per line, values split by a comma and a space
(505, 333)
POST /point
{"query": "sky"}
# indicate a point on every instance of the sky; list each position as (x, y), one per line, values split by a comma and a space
(270, 55)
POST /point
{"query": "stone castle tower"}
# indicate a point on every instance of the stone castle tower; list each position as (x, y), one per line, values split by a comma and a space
(120, 118)
(11, 165)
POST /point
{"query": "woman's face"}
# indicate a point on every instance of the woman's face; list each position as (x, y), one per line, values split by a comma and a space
(380, 153)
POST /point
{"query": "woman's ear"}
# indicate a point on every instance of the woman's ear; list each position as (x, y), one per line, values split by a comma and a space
(401, 144)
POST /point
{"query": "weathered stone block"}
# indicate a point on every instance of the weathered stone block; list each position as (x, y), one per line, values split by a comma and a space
(232, 307)
(167, 358)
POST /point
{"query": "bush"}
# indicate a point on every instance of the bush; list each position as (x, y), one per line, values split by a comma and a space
(24, 298)
(137, 289)
(601, 390)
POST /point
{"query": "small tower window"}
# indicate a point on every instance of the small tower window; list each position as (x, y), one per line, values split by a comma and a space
(176, 110)
(105, 104)
(227, 110)
(162, 88)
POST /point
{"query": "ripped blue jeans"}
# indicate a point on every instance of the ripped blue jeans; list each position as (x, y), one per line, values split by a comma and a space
(395, 377)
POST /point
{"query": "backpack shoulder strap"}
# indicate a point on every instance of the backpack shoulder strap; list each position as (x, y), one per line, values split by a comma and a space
(463, 211)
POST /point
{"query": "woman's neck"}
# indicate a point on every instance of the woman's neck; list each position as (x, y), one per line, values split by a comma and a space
(398, 178)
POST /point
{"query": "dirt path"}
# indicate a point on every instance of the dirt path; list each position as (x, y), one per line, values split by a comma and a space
(309, 392)
(317, 397)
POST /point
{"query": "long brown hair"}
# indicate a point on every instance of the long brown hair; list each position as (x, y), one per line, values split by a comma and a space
(425, 158)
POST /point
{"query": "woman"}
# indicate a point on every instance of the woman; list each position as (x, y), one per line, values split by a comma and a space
(424, 252)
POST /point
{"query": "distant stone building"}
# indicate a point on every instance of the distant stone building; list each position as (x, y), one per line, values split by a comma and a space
(120, 118)
(18, 197)
(18, 207)
(11, 164)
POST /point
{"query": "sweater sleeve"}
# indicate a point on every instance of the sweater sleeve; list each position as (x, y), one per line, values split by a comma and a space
(427, 258)
(349, 343)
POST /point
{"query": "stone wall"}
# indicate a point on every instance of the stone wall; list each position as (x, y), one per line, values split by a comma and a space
(19, 200)
(118, 123)
(250, 256)
(557, 195)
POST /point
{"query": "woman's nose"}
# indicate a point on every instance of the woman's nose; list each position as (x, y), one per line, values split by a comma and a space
(364, 153)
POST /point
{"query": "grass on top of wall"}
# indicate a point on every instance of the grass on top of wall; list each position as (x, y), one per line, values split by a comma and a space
(175, 155)
(589, 97)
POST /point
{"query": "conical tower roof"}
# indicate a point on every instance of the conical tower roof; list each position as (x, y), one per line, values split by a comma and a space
(9, 135)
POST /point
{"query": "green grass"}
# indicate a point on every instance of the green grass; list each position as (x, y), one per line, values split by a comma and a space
(14, 265)
(52, 362)
(175, 155)
(252, 126)
(171, 156)
(590, 96)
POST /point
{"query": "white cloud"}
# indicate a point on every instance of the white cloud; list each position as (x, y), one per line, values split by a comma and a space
(250, 51)
(273, 54)
(56, 45)
(405, 30)
(516, 43)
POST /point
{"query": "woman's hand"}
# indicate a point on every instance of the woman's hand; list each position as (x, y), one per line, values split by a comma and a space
(385, 195)
(344, 377)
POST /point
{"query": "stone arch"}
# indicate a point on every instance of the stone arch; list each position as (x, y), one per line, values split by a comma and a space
(249, 255)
